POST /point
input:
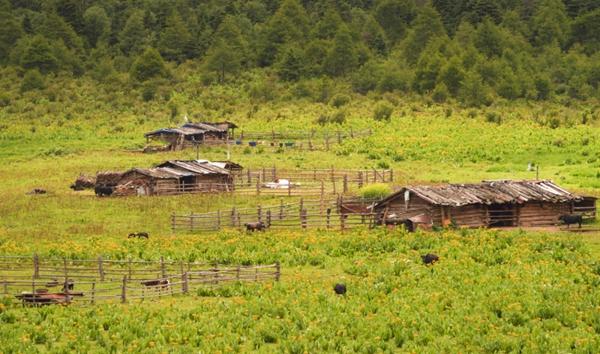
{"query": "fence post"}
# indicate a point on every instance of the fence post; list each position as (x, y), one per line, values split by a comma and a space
(310, 145)
(327, 142)
(269, 218)
(328, 218)
(191, 218)
(360, 179)
(258, 186)
(259, 213)
(374, 175)
(339, 137)
(342, 222)
(303, 218)
(173, 226)
(233, 217)
(277, 271)
(314, 174)
(332, 174)
(237, 273)
(130, 271)
(351, 133)
(333, 184)
(33, 294)
(93, 293)
(163, 272)
(274, 172)
(301, 203)
(65, 268)
(391, 175)
(322, 198)
(124, 290)
(100, 268)
(249, 178)
(345, 184)
(185, 287)
(280, 209)
(36, 266)
(218, 219)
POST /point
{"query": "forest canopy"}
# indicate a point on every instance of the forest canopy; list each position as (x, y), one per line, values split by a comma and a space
(468, 50)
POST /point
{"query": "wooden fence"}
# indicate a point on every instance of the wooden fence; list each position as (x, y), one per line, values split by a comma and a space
(341, 213)
(336, 136)
(301, 183)
(37, 281)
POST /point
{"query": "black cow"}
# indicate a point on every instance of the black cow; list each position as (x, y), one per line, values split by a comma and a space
(103, 191)
(255, 226)
(340, 289)
(37, 191)
(430, 258)
(138, 235)
(393, 220)
(163, 283)
(571, 219)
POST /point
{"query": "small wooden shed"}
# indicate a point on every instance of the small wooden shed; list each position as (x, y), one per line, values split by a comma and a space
(190, 134)
(175, 177)
(502, 203)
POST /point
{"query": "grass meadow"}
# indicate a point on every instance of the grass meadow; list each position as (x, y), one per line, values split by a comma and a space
(492, 291)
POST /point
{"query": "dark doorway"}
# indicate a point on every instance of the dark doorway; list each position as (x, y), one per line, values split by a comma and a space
(187, 184)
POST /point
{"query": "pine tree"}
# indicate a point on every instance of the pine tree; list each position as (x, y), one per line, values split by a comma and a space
(96, 24)
(452, 75)
(290, 66)
(550, 23)
(428, 25)
(148, 65)
(10, 32)
(342, 57)
(133, 36)
(38, 55)
(175, 39)
(395, 16)
(223, 59)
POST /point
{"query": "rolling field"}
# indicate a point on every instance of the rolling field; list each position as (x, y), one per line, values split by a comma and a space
(492, 291)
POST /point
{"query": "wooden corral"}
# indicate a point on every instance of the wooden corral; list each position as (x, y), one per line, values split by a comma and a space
(486, 204)
(37, 281)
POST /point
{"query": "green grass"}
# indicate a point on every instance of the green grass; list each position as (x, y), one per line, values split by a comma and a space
(492, 291)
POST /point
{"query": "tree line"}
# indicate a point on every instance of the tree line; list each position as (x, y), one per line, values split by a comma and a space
(468, 50)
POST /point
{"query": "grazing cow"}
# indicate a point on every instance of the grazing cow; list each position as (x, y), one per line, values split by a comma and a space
(430, 258)
(162, 283)
(138, 235)
(37, 191)
(255, 226)
(340, 289)
(103, 191)
(571, 219)
(394, 220)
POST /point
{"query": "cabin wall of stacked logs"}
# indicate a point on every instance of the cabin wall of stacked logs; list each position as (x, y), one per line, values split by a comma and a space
(309, 182)
(340, 213)
(121, 280)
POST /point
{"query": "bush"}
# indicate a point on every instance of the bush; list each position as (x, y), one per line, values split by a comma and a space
(383, 112)
(493, 117)
(375, 191)
(148, 93)
(440, 94)
(339, 100)
(4, 99)
(338, 117)
(33, 80)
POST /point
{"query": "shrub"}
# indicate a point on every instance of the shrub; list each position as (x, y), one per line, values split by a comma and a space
(440, 94)
(338, 117)
(339, 100)
(493, 117)
(4, 99)
(375, 191)
(383, 112)
(33, 80)
(148, 93)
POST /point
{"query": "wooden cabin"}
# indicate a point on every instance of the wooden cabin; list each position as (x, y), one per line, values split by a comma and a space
(190, 134)
(486, 204)
(175, 177)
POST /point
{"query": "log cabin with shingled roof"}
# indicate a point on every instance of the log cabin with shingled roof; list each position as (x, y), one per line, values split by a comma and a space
(501, 203)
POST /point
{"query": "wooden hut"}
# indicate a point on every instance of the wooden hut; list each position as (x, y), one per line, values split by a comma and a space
(190, 134)
(175, 177)
(486, 204)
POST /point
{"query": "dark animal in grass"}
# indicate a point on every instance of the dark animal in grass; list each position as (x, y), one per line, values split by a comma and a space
(69, 285)
(340, 289)
(571, 219)
(430, 258)
(163, 283)
(138, 235)
(103, 191)
(255, 226)
(37, 191)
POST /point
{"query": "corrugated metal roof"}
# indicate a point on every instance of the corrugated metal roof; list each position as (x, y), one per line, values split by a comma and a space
(488, 192)
(181, 130)
(162, 172)
(196, 166)
(205, 126)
